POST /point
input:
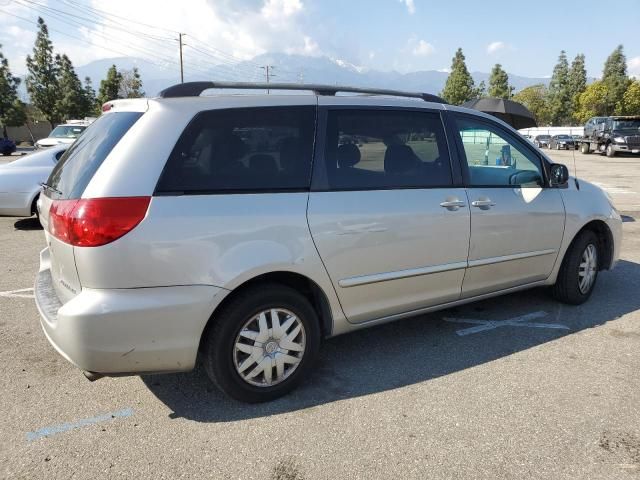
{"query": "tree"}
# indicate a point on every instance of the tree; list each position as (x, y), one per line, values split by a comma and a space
(592, 102)
(42, 80)
(481, 91)
(11, 108)
(559, 92)
(614, 77)
(535, 99)
(631, 99)
(459, 87)
(577, 80)
(110, 86)
(130, 84)
(89, 95)
(499, 83)
(71, 98)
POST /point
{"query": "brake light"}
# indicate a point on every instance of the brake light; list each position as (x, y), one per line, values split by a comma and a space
(92, 222)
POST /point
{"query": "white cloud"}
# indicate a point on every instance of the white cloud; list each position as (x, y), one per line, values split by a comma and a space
(423, 48)
(411, 6)
(494, 47)
(241, 29)
(634, 67)
(444, 70)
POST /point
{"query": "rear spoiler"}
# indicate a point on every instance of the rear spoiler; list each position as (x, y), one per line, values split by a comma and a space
(126, 105)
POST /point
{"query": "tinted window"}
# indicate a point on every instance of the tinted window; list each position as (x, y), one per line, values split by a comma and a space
(496, 158)
(74, 171)
(250, 149)
(368, 149)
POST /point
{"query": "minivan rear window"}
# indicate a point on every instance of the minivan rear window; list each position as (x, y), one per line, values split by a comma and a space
(244, 150)
(74, 171)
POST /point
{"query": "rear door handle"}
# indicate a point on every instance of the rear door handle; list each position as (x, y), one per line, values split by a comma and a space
(452, 205)
(483, 204)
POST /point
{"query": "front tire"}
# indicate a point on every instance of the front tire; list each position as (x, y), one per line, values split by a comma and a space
(579, 270)
(610, 151)
(584, 148)
(262, 344)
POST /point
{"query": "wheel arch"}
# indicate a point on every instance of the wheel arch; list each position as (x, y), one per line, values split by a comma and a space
(605, 242)
(301, 283)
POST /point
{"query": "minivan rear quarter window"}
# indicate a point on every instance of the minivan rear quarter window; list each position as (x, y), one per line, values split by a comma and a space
(74, 171)
(242, 150)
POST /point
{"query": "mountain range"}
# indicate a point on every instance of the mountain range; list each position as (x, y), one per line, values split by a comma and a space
(286, 68)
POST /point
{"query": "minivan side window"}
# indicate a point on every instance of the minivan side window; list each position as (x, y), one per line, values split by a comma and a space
(495, 159)
(243, 150)
(384, 149)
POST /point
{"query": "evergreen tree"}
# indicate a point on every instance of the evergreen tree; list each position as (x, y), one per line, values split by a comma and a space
(42, 80)
(71, 97)
(559, 92)
(499, 83)
(577, 80)
(12, 113)
(89, 97)
(110, 86)
(535, 99)
(459, 87)
(131, 84)
(615, 79)
(481, 91)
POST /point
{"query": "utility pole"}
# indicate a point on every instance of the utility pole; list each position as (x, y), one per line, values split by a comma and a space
(268, 71)
(181, 66)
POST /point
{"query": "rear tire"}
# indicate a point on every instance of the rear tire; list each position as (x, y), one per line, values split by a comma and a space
(579, 270)
(584, 148)
(225, 349)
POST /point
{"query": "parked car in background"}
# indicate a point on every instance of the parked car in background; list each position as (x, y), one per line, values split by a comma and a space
(20, 181)
(175, 233)
(542, 141)
(63, 134)
(562, 142)
(7, 146)
(592, 126)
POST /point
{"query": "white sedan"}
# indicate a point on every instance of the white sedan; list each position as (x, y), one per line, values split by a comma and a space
(20, 181)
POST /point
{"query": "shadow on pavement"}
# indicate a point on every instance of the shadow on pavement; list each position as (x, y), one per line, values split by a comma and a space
(411, 351)
(31, 223)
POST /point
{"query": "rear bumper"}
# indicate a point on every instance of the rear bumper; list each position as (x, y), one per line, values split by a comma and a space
(122, 331)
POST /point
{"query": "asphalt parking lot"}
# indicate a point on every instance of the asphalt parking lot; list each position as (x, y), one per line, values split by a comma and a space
(514, 387)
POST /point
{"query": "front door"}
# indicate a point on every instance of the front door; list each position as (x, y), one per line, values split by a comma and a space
(517, 221)
(390, 227)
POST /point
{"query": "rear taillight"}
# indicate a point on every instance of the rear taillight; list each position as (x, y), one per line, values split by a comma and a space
(91, 222)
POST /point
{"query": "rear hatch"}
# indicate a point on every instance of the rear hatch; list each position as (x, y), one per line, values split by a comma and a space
(65, 186)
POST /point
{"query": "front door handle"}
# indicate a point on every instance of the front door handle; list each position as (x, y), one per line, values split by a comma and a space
(483, 203)
(452, 205)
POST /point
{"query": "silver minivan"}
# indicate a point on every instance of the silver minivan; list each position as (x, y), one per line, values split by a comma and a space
(244, 229)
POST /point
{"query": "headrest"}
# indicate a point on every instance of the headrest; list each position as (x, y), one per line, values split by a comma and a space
(348, 155)
(399, 159)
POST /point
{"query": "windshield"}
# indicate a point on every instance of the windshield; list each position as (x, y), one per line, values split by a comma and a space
(544, 137)
(564, 137)
(626, 124)
(67, 131)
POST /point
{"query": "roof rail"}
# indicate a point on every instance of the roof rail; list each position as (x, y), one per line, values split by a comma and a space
(194, 89)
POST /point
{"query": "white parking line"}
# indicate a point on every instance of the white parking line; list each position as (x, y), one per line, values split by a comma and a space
(616, 190)
(521, 321)
(21, 293)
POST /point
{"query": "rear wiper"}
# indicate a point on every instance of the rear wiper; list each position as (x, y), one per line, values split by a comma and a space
(49, 187)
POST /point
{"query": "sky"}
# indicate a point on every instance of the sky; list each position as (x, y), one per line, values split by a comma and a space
(401, 35)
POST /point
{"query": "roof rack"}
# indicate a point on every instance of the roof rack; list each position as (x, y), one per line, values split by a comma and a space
(194, 89)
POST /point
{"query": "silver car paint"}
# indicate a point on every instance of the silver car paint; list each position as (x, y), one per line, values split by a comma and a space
(195, 249)
(20, 181)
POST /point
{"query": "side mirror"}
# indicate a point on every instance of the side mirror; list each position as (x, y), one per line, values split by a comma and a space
(558, 175)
